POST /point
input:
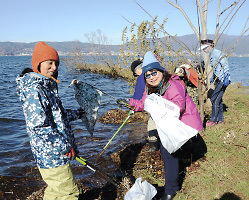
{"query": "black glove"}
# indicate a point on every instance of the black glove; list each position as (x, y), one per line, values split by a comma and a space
(81, 113)
(123, 102)
(71, 153)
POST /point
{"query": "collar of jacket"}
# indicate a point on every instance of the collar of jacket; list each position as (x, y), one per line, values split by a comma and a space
(46, 81)
(162, 90)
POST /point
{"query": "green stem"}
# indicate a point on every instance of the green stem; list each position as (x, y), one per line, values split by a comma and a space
(130, 113)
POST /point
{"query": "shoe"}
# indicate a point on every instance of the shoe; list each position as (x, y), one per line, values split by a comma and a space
(220, 122)
(167, 197)
(211, 123)
(153, 147)
(153, 144)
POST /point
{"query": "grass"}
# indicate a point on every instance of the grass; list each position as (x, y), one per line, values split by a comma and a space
(225, 169)
(223, 174)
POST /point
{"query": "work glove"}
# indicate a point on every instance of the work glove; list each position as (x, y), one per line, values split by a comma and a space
(71, 153)
(81, 113)
(122, 102)
(187, 66)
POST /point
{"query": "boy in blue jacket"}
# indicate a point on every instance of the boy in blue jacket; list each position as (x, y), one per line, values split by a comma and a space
(48, 123)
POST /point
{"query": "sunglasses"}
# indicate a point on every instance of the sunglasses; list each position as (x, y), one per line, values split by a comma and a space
(147, 76)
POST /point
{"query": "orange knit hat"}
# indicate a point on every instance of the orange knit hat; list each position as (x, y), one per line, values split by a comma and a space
(43, 52)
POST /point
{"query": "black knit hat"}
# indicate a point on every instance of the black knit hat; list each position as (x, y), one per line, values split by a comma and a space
(134, 64)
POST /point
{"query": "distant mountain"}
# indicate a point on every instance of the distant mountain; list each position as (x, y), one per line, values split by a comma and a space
(240, 45)
(64, 48)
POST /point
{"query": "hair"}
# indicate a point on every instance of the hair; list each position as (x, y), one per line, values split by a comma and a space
(56, 75)
(25, 71)
(166, 77)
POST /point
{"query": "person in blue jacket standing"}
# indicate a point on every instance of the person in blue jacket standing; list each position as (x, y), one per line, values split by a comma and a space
(136, 68)
(221, 78)
(48, 123)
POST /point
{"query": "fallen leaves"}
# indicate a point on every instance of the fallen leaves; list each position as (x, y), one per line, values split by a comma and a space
(118, 116)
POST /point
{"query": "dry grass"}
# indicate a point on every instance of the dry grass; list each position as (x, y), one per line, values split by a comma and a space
(223, 172)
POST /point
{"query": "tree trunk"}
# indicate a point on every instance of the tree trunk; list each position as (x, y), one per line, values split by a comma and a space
(201, 98)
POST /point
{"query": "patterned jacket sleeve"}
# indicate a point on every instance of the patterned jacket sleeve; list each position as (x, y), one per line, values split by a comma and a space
(73, 114)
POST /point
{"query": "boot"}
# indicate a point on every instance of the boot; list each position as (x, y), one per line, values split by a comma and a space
(167, 197)
(153, 144)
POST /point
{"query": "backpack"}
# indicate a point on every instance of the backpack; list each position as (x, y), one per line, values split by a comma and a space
(226, 80)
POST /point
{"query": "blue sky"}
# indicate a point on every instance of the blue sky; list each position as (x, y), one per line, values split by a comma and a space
(64, 20)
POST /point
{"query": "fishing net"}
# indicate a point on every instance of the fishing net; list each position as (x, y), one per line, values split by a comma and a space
(88, 98)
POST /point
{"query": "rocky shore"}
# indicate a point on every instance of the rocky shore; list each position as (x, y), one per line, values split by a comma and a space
(133, 161)
(206, 168)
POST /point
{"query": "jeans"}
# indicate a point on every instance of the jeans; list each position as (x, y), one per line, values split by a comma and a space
(171, 165)
(217, 103)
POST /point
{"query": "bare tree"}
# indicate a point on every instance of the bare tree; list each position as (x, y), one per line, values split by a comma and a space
(100, 47)
(200, 31)
(201, 34)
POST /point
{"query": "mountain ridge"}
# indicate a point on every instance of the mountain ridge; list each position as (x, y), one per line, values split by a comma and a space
(66, 47)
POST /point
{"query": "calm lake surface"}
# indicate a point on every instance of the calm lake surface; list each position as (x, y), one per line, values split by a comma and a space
(16, 159)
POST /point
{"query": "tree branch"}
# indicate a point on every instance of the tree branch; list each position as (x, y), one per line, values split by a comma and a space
(231, 17)
(185, 15)
(182, 45)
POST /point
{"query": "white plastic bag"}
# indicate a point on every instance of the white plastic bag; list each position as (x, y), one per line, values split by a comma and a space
(173, 133)
(141, 191)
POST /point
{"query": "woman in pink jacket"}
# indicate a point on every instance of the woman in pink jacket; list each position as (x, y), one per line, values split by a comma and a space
(170, 87)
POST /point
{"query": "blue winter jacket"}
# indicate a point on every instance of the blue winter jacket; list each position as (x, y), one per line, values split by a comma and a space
(219, 61)
(139, 88)
(47, 122)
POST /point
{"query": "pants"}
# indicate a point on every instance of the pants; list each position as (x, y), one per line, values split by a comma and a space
(171, 165)
(217, 103)
(61, 183)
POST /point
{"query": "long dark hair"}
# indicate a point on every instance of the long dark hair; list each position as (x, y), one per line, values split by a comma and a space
(150, 89)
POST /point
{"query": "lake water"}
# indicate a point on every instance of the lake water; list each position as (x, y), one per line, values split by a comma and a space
(16, 159)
